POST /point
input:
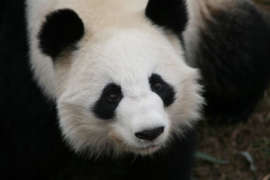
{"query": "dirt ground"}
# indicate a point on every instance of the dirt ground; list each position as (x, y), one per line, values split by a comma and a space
(243, 149)
(229, 143)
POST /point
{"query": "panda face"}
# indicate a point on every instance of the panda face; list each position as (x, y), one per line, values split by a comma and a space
(126, 97)
(120, 83)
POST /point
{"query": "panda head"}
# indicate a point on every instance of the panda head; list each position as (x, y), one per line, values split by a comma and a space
(120, 82)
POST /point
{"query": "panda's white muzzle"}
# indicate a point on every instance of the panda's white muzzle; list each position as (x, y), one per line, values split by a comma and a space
(142, 123)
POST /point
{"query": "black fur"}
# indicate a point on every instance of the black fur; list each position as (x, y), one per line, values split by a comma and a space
(234, 59)
(2, 14)
(105, 107)
(62, 29)
(170, 14)
(31, 144)
(30, 141)
(163, 89)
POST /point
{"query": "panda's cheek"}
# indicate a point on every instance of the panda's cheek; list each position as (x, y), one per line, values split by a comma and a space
(115, 137)
(121, 134)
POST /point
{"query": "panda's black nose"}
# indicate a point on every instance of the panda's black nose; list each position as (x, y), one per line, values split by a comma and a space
(150, 134)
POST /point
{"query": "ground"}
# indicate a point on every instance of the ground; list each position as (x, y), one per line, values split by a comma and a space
(229, 143)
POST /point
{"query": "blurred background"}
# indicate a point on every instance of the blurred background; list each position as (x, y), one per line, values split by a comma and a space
(237, 151)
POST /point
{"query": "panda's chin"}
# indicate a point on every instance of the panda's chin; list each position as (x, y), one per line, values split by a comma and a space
(147, 150)
(143, 151)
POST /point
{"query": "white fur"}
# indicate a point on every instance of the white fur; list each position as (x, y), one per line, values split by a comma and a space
(121, 46)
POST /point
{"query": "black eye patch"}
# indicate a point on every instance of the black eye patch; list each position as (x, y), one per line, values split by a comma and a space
(163, 89)
(105, 106)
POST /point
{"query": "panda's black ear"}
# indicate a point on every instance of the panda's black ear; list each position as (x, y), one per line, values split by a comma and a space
(61, 30)
(171, 14)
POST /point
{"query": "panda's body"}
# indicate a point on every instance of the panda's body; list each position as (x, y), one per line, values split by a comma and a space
(228, 40)
(100, 89)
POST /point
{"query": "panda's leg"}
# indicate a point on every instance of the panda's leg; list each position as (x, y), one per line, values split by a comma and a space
(229, 42)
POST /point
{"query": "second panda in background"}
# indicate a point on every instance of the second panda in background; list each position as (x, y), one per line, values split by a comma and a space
(232, 54)
(229, 42)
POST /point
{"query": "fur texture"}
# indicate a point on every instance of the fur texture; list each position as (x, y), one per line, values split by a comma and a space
(62, 29)
(55, 134)
(229, 42)
(161, 13)
(51, 131)
(112, 50)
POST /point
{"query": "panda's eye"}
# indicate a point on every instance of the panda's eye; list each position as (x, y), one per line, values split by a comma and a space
(157, 86)
(112, 93)
(114, 97)
(162, 88)
(106, 105)
(156, 82)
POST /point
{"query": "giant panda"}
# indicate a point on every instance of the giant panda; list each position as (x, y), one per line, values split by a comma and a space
(101, 89)
(94, 89)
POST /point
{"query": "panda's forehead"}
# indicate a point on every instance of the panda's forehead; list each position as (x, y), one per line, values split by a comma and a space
(99, 14)
(120, 5)
(125, 54)
(117, 65)
(127, 58)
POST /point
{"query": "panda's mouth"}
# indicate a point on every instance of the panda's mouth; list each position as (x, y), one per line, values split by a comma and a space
(148, 150)
(149, 147)
(137, 149)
